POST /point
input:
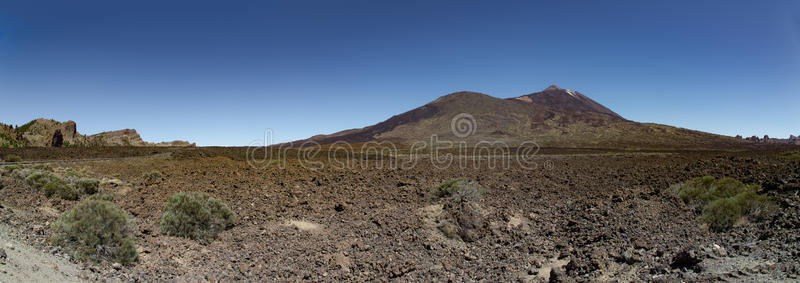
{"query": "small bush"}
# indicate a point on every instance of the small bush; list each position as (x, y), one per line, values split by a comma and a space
(152, 177)
(8, 169)
(755, 206)
(87, 185)
(60, 188)
(459, 189)
(43, 167)
(721, 214)
(102, 196)
(23, 173)
(96, 230)
(72, 173)
(725, 201)
(52, 185)
(196, 216)
(449, 230)
(12, 158)
(38, 179)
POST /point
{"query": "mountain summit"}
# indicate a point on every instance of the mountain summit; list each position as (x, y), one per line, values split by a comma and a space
(553, 117)
(567, 100)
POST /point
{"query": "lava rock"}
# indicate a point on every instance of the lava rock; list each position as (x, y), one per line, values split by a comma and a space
(557, 275)
(686, 259)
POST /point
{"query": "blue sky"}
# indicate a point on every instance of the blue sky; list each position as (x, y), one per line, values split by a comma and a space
(219, 73)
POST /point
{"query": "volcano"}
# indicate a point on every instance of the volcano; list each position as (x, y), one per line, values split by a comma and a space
(553, 117)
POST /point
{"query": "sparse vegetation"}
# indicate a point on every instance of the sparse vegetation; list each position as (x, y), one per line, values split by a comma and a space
(12, 158)
(24, 128)
(52, 184)
(38, 179)
(8, 169)
(42, 167)
(463, 219)
(59, 187)
(794, 155)
(196, 216)
(22, 173)
(460, 189)
(87, 185)
(449, 230)
(152, 177)
(724, 201)
(96, 230)
(102, 196)
(72, 173)
(7, 141)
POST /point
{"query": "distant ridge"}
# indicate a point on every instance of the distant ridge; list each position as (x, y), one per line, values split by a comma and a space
(41, 133)
(553, 117)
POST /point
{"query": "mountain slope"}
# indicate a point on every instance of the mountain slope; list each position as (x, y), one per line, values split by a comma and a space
(554, 117)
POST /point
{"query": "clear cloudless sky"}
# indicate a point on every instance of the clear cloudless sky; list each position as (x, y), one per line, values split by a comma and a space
(221, 72)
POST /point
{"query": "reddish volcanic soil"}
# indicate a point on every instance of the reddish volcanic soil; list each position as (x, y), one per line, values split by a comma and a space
(582, 216)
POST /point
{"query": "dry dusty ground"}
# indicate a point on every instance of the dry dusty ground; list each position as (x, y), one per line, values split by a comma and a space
(581, 217)
(25, 263)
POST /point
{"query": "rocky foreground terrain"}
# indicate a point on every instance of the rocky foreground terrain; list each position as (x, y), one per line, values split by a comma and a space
(585, 216)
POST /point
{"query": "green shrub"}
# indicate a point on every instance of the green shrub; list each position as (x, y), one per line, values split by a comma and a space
(725, 201)
(196, 216)
(52, 185)
(12, 158)
(8, 169)
(87, 185)
(102, 196)
(721, 214)
(96, 230)
(60, 188)
(153, 176)
(23, 173)
(72, 173)
(755, 206)
(459, 189)
(38, 179)
(42, 167)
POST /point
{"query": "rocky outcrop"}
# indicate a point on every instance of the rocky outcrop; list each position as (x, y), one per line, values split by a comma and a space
(40, 132)
(58, 139)
(47, 132)
(791, 140)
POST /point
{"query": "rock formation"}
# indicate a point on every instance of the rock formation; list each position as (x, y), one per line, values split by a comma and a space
(47, 132)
